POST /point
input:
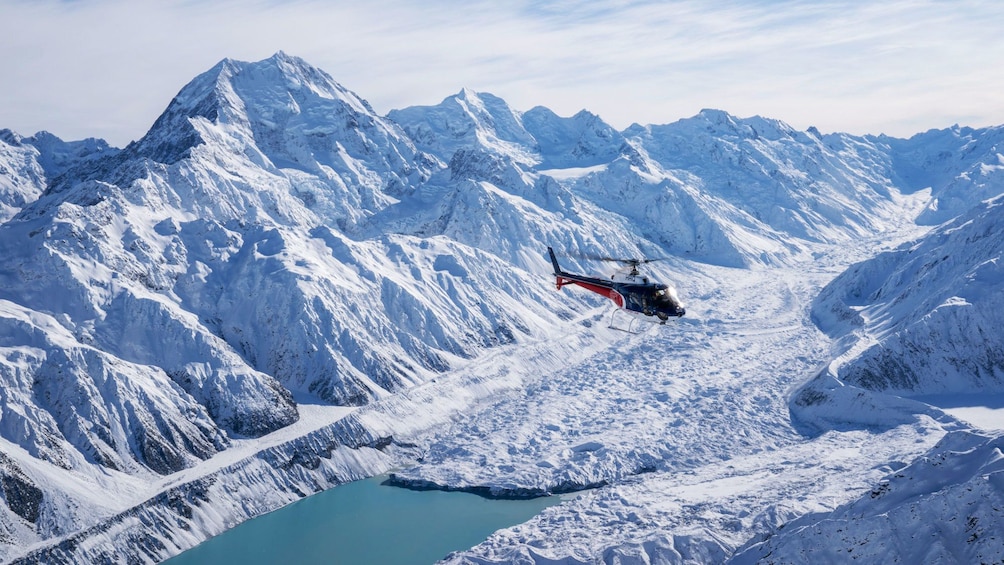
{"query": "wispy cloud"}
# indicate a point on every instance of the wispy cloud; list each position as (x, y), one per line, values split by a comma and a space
(108, 67)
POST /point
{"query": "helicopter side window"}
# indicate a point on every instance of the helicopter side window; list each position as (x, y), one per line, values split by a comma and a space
(644, 302)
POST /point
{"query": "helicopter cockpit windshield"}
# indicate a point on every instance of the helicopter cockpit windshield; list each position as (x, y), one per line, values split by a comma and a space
(667, 303)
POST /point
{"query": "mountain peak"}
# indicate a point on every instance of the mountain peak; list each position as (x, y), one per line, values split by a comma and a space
(718, 118)
(281, 55)
(466, 94)
(280, 117)
(582, 140)
(467, 118)
(260, 102)
(172, 135)
(10, 137)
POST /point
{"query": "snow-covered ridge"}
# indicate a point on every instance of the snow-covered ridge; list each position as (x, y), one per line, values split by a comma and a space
(716, 188)
(945, 507)
(926, 317)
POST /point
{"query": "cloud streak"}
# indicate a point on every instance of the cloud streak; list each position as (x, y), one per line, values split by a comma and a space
(107, 68)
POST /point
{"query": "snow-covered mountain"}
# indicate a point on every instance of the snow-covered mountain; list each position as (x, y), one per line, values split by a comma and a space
(927, 315)
(186, 320)
(27, 163)
(921, 320)
(714, 187)
(162, 300)
(961, 165)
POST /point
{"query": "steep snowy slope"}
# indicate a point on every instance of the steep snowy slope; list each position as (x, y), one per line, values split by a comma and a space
(583, 140)
(777, 181)
(925, 318)
(490, 196)
(922, 319)
(468, 120)
(945, 507)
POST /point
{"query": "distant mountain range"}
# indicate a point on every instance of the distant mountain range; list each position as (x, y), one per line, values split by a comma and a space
(272, 241)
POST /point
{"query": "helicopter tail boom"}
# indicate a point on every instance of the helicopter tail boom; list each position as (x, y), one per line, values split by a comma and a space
(592, 284)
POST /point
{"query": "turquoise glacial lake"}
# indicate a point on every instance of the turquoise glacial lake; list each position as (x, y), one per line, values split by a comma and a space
(365, 522)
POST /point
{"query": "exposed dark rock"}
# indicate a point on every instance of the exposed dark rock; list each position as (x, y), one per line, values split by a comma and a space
(23, 497)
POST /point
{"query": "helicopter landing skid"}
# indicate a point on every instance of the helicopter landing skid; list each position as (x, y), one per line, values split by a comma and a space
(633, 326)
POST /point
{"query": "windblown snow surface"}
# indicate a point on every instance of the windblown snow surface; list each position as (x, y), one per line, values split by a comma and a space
(276, 291)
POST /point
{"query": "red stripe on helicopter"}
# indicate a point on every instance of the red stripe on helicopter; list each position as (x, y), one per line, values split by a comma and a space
(601, 290)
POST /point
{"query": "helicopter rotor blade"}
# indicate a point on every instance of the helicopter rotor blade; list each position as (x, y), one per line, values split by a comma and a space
(600, 258)
(634, 263)
(624, 261)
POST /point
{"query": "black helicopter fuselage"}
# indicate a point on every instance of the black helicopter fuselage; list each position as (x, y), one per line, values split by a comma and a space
(630, 292)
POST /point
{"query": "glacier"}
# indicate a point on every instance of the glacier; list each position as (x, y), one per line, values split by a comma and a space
(276, 291)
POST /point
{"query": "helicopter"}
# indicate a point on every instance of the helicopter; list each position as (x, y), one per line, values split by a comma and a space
(631, 292)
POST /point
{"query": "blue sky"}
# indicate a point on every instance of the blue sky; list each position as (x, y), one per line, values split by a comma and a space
(107, 68)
